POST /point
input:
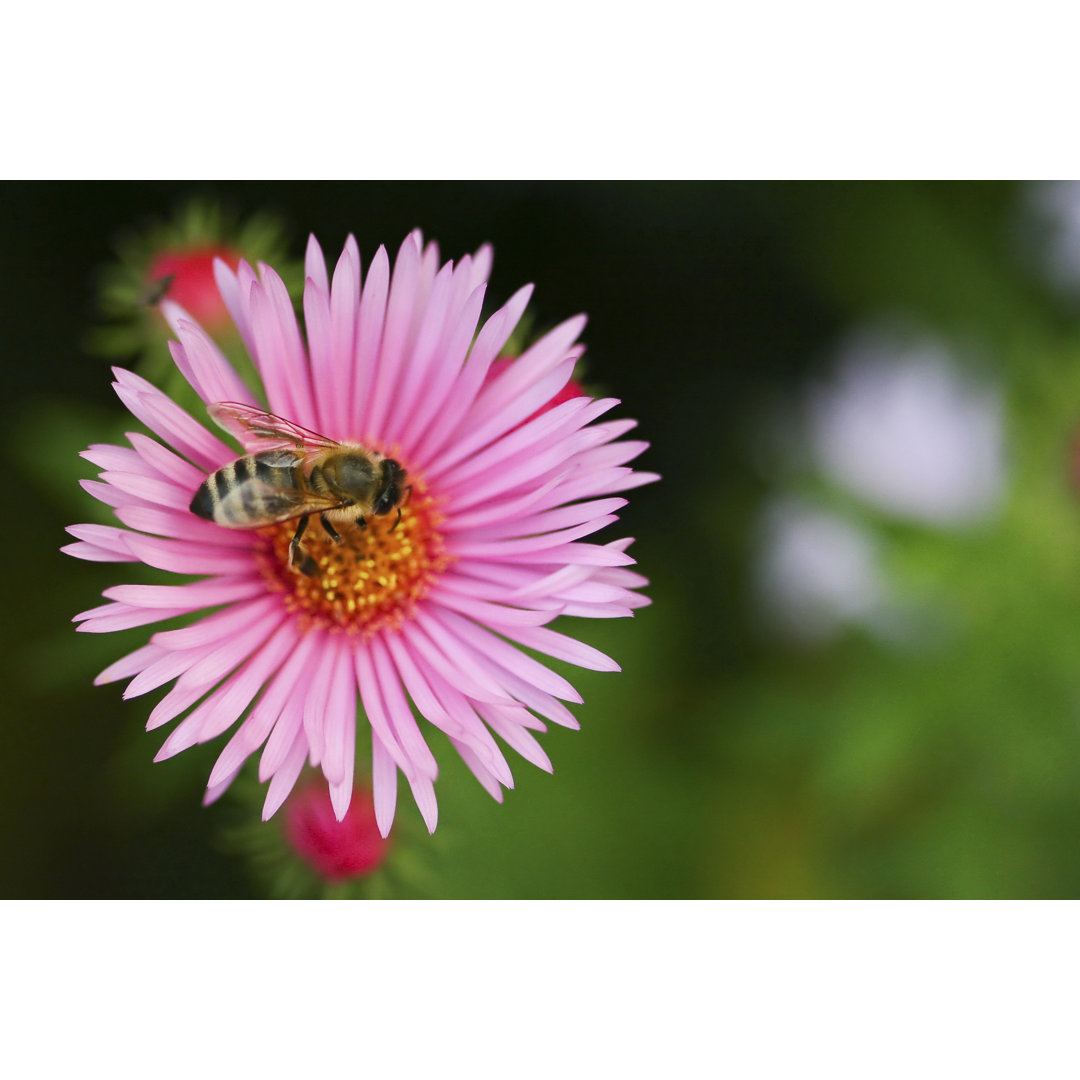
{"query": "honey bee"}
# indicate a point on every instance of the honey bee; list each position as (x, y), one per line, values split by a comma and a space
(293, 474)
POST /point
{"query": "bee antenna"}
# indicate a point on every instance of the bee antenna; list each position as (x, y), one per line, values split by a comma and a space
(398, 522)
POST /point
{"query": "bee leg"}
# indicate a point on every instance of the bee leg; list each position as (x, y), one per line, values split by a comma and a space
(398, 522)
(299, 559)
(330, 530)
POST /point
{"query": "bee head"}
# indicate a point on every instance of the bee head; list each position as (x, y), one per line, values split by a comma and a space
(390, 491)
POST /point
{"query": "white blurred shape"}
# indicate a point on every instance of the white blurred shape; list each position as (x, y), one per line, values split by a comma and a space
(901, 427)
(816, 572)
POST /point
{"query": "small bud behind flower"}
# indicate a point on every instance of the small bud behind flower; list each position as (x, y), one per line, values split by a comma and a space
(335, 850)
(173, 259)
(187, 278)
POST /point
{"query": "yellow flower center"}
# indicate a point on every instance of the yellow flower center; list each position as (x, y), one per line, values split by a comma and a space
(371, 580)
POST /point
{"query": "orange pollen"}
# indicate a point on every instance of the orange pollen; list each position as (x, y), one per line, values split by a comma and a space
(369, 581)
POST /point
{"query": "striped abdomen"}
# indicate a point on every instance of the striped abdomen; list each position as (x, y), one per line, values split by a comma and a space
(255, 490)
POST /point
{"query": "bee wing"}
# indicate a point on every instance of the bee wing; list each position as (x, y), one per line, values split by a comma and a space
(256, 503)
(257, 430)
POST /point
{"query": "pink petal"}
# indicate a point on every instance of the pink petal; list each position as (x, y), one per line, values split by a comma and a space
(103, 493)
(438, 383)
(178, 699)
(168, 666)
(182, 525)
(585, 482)
(123, 617)
(205, 367)
(477, 768)
(371, 696)
(197, 594)
(399, 715)
(285, 777)
(224, 706)
(92, 553)
(324, 363)
(342, 791)
(471, 729)
(412, 374)
(131, 664)
(316, 696)
(255, 730)
(223, 656)
(234, 292)
(315, 264)
(548, 428)
(115, 458)
(344, 308)
(399, 310)
(465, 548)
(289, 727)
(214, 793)
(465, 580)
(220, 626)
(369, 329)
(465, 726)
(467, 637)
(515, 736)
(167, 420)
(560, 646)
(476, 436)
(497, 509)
(164, 462)
(186, 557)
(295, 357)
(490, 614)
(383, 784)
(492, 337)
(481, 265)
(339, 728)
(550, 521)
(273, 357)
(540, 702)
(150, 489)
(428, 639)
(424, 794)
(578, 554)
(541, 358)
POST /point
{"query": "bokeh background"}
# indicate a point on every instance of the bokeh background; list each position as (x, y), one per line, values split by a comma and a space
(860, 676)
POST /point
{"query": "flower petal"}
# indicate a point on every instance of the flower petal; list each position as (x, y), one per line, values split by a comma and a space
(399, 309)
(383, 784)
(285, 777)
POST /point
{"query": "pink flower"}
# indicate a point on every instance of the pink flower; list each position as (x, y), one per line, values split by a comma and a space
(424, 615)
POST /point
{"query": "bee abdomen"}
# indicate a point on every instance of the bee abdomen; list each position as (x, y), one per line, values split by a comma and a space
(250, 491)
(203, 503)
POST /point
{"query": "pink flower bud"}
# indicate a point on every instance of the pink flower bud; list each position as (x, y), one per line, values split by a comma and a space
(335, 850)
(187, 278)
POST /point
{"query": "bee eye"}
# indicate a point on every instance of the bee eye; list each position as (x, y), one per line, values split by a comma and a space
(387, 500)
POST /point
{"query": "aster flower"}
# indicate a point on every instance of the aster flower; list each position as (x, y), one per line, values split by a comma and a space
(417, 621)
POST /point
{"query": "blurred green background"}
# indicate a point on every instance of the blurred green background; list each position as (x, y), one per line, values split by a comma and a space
(923, 743)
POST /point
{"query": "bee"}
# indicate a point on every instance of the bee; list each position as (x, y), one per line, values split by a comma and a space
(294, 474)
